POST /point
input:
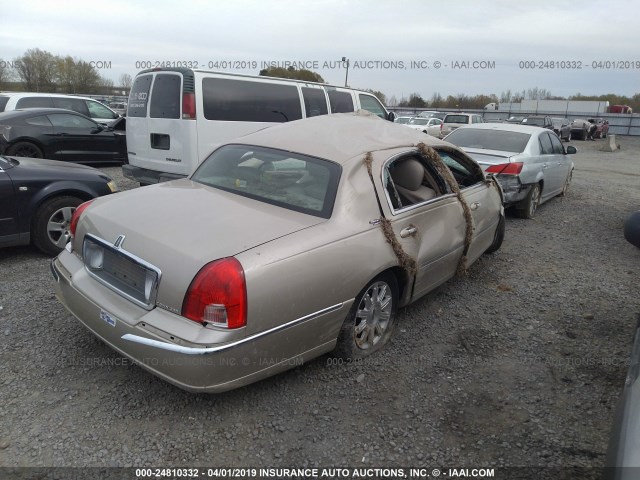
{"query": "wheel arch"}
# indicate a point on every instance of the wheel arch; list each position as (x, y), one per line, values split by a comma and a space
(35, 141)
(49, 192)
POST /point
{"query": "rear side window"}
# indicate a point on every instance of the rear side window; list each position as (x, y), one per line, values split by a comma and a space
(75, 104)
(40, 121)
(34, 102)
(3, 103)
(341, 102)
(246, 101)
(139, 96)
(166, 96)
(367, 102)
(315, 103)
(70, 121)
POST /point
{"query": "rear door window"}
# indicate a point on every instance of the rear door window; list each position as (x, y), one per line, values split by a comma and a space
(248, 101)
(556, 144)
(139, 96)
(545, 144)
(166, 96)
(34, 102)
(315, 103)
(341, 102)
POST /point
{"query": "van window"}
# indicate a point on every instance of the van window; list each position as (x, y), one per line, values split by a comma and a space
(341, 102)
(368, 102)
(315, 103)
(34, 102)
(3, 103)
(246, 101)
(139, 96)
(75, 104)
(166, 96)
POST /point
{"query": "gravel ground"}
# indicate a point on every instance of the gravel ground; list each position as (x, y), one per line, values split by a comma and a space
(518, 364)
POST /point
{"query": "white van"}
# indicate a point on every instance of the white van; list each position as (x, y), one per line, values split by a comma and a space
(177, 116)
(88, 107)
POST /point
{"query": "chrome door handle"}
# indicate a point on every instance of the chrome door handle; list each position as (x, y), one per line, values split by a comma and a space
(544, 165)
(474, 205)
(408, 232)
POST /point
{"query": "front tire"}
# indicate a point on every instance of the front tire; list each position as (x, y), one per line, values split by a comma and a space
(25, 149)
(527, 209)
(371, 320)
(51, 224)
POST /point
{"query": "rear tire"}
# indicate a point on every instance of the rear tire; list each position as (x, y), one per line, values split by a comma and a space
(371, 320)
(25, 149)
(498, 238)
(527, 208)
(51, 224)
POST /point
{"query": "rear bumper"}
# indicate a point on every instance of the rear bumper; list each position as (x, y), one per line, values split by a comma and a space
(512, 189)
(145, 175)
(212, 367)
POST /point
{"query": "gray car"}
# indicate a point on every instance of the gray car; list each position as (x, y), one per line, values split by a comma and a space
(286, 244)
(531, 163)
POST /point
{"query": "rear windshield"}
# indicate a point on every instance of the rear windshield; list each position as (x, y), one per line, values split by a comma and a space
(3, 103)
(500, 140)
(137, 106)
(289, 180)
(249, 101)
(419, 121)
(456, 119)
(166, 96)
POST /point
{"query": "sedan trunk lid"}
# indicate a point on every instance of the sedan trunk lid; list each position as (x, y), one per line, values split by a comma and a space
(182, 225)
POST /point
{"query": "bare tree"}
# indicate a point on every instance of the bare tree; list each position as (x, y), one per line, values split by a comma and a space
(125, 81)
(37, 69)
(6, 74)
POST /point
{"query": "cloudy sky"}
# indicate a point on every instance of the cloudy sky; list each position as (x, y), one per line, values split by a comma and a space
(485, 46)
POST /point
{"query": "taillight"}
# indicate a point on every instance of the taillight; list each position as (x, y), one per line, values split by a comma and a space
(513, 168)
(189, 106)
(217, 295)
(76, 216)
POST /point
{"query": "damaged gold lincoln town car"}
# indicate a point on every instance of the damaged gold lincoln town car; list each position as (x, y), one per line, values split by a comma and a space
(288, 243)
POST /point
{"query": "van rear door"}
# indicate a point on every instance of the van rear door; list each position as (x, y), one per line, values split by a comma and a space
(167, 141)
(137, 126)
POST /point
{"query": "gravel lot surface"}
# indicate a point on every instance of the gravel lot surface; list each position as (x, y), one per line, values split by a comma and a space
(518, 364)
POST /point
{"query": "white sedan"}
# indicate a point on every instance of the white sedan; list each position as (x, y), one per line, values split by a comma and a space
(430, 126)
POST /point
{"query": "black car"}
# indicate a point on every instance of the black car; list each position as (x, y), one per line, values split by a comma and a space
(562, 127)
(38, 198)
(59, 134)
(538, 121)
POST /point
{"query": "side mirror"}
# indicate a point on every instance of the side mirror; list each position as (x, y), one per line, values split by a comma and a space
(392, 116)
(97, 129)
(571, 150)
